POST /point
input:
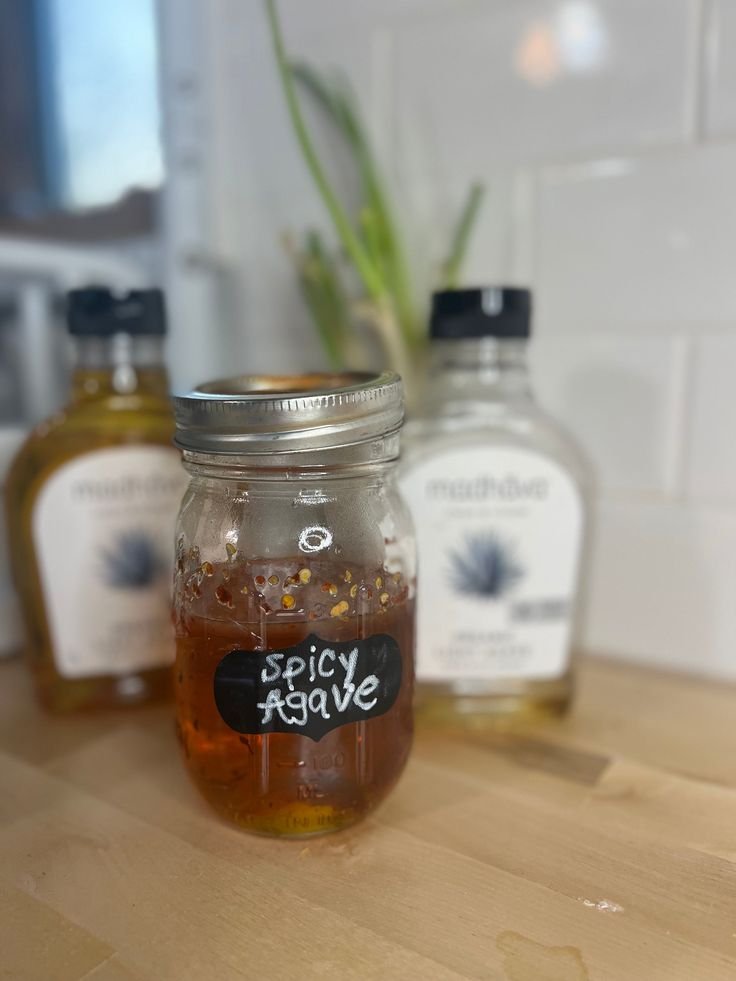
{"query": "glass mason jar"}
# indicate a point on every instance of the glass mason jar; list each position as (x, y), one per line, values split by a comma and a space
(294, 599)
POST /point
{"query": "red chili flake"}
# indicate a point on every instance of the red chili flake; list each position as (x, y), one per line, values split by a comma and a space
(224, 596)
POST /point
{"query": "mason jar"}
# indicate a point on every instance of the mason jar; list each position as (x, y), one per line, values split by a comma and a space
(294, 599)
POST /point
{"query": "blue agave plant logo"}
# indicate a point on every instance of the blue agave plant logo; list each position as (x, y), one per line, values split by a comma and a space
(484, 566)
(132, 561)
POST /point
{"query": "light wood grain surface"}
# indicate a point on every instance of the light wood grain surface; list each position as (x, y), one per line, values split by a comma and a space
(601, 847)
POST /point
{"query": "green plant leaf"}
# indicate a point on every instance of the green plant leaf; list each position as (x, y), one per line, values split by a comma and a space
(336, 100)
(463, 231)
(321, 286)
(364, 267)
(374, 247)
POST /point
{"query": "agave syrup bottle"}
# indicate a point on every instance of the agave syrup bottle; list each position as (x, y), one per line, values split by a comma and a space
(497, 493)
(91, 500)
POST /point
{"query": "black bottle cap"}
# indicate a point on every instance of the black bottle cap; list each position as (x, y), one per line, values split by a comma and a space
(494, 311)
(96, 311)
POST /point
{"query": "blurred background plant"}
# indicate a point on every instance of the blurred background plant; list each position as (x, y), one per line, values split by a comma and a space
(359, 292)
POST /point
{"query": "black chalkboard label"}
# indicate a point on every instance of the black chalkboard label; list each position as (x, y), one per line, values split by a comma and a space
(310, 688)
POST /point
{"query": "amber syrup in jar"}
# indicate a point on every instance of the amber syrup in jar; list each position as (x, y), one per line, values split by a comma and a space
(294, 591)
(252, 606)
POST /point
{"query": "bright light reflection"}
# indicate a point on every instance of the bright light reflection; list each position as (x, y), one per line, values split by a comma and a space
(582, 36)
(573, 41)
(537, 57)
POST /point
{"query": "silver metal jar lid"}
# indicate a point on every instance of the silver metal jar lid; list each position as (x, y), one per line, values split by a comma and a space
(257, 414)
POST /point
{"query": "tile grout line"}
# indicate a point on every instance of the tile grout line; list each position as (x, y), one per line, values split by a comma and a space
(700, 56)
(679, 412)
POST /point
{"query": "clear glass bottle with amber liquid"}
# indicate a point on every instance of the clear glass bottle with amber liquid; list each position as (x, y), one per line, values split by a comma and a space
(91, 503)
(497, 492)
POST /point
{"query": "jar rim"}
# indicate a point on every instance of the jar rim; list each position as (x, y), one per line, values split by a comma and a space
(257, 414)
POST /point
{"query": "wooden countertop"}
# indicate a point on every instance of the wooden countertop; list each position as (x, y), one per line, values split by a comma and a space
(602, 847)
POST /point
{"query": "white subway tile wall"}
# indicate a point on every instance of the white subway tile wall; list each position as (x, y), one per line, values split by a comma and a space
(662, 588)
(627, 245)
(541, 79)
(606, 131)
(620, 397)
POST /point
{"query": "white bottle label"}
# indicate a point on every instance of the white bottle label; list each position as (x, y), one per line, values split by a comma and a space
(103, 530)
(499, 532)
